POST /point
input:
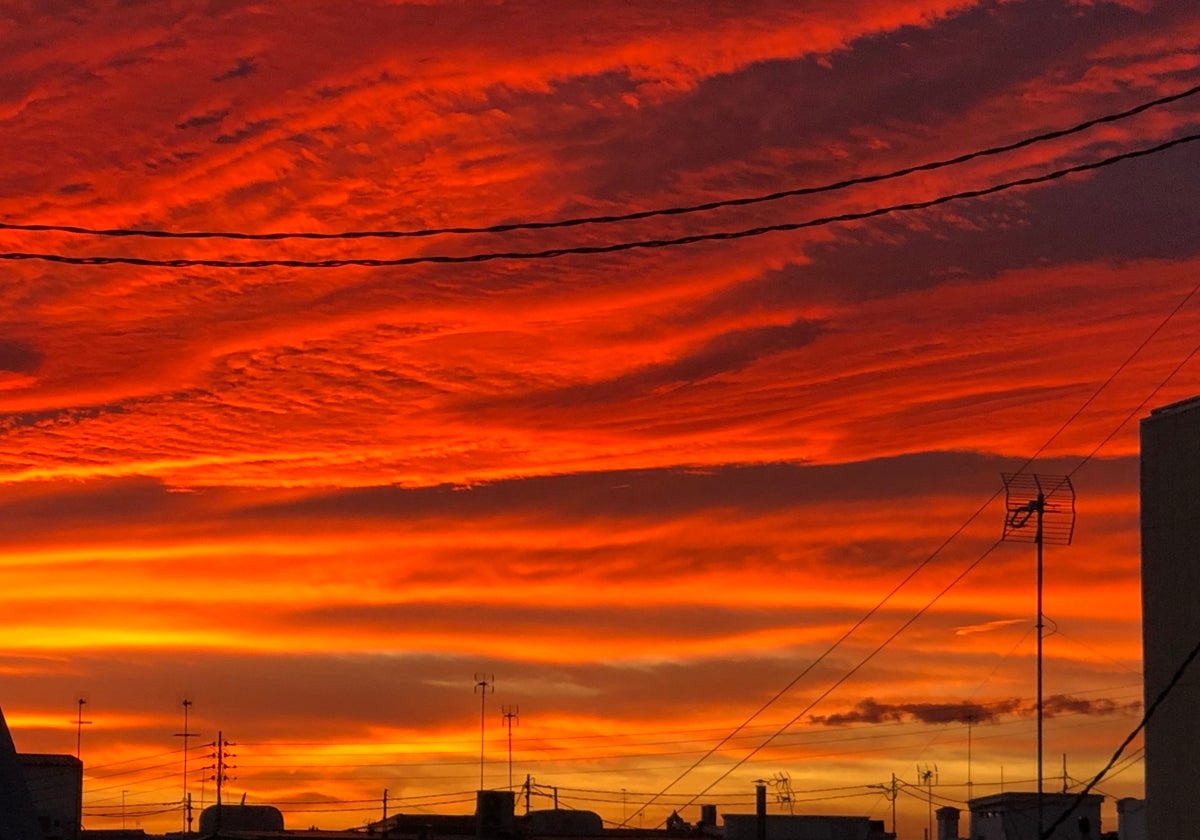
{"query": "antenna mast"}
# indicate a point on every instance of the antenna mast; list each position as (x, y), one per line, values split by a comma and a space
(1050, 501)
(79, 724)
(928, 777)
(484, 684)
(511, 715)
(185, 734)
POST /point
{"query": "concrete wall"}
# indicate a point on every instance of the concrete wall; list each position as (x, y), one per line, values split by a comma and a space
(1170, 497)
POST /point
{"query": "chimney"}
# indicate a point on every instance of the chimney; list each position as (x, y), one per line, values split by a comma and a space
(760, 803)
(947, 819)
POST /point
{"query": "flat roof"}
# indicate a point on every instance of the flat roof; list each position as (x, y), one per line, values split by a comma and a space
(1183, 405)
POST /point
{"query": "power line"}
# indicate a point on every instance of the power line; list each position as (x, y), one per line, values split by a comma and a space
(623, 217)
(553, 253)
(1150, 710)
(1124, 364)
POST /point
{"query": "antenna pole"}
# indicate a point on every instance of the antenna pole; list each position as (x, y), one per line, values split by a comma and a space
(484, 684)
(1039, 539)
(1029, 495)
(185, 734)
(511, 715)
(79, 724)
(970, 784)
(926, 776)
(893, 804)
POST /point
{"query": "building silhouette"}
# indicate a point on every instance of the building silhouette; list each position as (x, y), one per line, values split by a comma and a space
(1170, 499)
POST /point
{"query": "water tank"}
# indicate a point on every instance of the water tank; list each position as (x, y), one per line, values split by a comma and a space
(241, 818)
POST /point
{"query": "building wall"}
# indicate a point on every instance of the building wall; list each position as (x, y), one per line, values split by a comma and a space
(1131, 819)
(798, 827)
(1170, 498)
(1014, 816)
(56, 787)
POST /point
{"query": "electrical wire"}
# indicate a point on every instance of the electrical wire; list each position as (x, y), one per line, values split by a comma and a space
(1048, 833)
(1104, 385)
(615, 247)
(623, 217)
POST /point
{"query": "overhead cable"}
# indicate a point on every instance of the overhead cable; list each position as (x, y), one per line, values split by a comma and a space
(1048, 833)
(928, 559)
(551, 253)
(623, 217)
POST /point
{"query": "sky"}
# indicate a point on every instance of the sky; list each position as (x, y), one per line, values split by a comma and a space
(699, 509)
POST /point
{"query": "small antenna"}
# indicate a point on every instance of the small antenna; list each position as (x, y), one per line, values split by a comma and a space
(485, 684)
(928, 777)
(511, 715)
(782, 783)
(79, 724)
(185, 734)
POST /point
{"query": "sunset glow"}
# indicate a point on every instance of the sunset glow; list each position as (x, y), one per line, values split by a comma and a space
(707, 511)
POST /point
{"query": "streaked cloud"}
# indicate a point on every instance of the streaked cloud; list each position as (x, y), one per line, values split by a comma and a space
(647, 489)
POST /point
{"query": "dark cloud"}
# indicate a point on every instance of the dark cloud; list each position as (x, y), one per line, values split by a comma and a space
(247, 131)
(19, 356)
(243, 68)
(1063, 704)
(210, 118)
(908, 76)
(668, 492)
(872, 711)
(727, 352)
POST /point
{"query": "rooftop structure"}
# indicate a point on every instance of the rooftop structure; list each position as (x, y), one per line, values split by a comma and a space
(1170, 499)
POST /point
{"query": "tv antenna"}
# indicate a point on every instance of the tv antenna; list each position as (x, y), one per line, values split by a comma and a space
(928, 777)
(79, 724)
(1049, 500)
(185, 734)
(511, 715)
(782, 783)
(485, 684)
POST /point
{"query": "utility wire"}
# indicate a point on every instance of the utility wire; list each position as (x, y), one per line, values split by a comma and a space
(624, 217)
(1048, 833)
(1104, 385)
(552, 253)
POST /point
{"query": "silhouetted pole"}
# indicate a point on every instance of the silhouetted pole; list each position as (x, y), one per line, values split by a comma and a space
(221, 775)
(893, 798)
(1039, 539)
(79, 724)
(483, 684)
(1042, 495)
(185, 734)
(511, 715)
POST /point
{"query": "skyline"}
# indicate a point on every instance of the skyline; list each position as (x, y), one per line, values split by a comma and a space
(650, 490)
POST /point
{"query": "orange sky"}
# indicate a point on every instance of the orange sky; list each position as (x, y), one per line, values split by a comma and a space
(646, 489)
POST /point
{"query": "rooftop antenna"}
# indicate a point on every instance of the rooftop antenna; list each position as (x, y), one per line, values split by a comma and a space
(782, 783)
(511, 715)
(927, 777)
(1049, 500)
(79, 724)
(484, 684)
(970, 719)
(185, 734)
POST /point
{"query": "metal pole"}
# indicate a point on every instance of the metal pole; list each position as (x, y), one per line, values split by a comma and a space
(185, 734)
(1041, 507)
(483, 682)
(893, 804)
